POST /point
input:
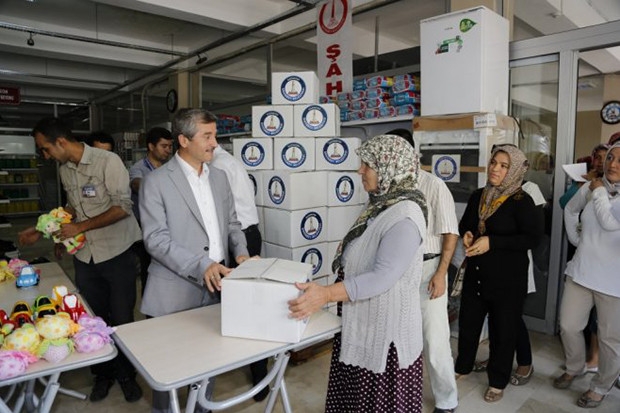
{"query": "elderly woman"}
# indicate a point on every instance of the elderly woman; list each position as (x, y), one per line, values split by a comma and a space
(592, 280)
(501, 222)
(376, 363)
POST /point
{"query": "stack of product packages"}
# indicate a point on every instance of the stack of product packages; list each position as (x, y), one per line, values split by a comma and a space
(308, 192)
(380, 97)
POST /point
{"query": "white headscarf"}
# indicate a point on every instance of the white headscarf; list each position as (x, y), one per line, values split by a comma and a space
(612, 188)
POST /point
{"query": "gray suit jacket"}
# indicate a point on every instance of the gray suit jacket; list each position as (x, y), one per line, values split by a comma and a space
(175, 237)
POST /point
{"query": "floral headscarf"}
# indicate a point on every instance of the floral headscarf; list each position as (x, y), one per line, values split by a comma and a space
(494, 196)
(397, 166)
(612, 188)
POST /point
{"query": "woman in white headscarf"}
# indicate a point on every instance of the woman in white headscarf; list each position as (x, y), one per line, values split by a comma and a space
(592, 280)
(376, 363)
(500, 224)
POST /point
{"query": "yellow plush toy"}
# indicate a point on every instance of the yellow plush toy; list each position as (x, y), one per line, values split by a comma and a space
(49, 225)
(24, 338)
(56, 331)
(5, 271)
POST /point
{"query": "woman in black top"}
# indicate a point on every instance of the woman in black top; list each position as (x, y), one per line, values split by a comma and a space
(499, 225)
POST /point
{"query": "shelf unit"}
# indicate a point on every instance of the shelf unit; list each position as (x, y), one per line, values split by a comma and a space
(19, 185)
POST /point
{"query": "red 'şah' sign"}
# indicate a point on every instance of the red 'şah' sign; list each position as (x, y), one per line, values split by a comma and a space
(335, 67)
(9, 95)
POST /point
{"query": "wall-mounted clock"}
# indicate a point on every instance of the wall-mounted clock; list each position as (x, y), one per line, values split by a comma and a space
(172, 100)
(610, 113)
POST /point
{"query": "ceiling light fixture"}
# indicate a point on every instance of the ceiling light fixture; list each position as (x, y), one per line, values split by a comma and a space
(201, 59)
(30, 41)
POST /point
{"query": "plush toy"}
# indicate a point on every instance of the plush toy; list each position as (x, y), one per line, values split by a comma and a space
(15, 265)
(49, 224)
(24, 338)
(13, 363)
(56, 330)
(5, 271)
(93, 335)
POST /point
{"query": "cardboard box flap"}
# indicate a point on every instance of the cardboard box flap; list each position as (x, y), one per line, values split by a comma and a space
(274, 269)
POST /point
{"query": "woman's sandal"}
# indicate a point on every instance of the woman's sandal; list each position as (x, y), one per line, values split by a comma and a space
(587, 402)
(493, 395)
(519, 380)
(480, 366)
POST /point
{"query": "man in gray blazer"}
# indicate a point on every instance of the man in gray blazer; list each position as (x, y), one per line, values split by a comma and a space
(189, 225)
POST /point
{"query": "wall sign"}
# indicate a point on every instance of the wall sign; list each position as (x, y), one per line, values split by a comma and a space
(334, 47)
(9, 95)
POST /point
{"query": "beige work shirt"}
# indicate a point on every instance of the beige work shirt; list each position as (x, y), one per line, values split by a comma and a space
(93, 186)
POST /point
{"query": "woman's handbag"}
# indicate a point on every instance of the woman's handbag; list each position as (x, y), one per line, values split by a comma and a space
(457, 284)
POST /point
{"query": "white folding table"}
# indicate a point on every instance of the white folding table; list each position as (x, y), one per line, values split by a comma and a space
(187, 348)
(48, 373)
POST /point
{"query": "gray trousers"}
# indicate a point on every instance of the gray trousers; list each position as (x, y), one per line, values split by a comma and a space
(577, 302)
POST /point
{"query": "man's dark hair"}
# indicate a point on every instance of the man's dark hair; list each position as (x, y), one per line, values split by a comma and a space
(52, 129)
(403, 133)
(186, 121)
(155, 134)
(100, 136)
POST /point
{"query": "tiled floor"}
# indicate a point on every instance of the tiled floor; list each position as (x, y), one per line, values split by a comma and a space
(307, 381)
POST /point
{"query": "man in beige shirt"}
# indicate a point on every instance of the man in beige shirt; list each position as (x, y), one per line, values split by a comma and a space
(98, 197)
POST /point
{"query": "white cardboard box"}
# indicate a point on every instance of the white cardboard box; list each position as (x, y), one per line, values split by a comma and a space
(256, 177)
(255, 296)
(294, 88)
(272, 121)
(295, 228)
(254, 153)
(337, 154)
(296, 154)
(317, 120)
(464, 62)
(340, 219)
(345, 188)
(332, 247)
(315, 255)
(295, 190)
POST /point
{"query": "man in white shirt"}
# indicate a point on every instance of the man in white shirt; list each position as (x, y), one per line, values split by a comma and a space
(441, 238)
(243, 193)
(189, 225)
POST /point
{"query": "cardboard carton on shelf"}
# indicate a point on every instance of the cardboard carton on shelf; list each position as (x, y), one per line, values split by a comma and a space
(464, 121)
(255, 296)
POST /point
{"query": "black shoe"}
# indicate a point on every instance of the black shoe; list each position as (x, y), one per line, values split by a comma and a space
(262, 395)
(130, 389)
(101, 389)
(438, 410)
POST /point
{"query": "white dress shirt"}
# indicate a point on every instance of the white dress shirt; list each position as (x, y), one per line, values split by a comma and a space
(204, 198)
(241, 185)
(441, 213)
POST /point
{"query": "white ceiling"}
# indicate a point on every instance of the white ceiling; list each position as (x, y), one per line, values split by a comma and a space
(85, 48)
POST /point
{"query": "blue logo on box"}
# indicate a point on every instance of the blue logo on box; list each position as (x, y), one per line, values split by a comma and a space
(252, 154)
(314, 117)
(293, 155)
(335, 151)
(311, 225)
(293, 88)
(445, 168)
(313, 257)
(345, 189)
(271, 123)
(277, 190)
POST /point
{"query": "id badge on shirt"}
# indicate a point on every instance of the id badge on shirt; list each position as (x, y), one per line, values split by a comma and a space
(88, 191)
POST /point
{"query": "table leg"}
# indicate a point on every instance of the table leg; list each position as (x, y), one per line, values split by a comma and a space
(278, 385)
(192, 396)
(68, 392)
(175, 407)
(286, 403)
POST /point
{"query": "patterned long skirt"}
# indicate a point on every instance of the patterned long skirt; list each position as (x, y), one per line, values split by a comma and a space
(358, 390)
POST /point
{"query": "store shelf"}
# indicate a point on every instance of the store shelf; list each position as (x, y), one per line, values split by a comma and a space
(23, 214)
(5, 171)
(23, 199)
(19, 184)
(232, 135)
(401, 118)
(4, 200)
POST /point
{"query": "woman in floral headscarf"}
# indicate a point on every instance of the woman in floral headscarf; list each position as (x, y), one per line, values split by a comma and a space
(592, 280)
(376, 362)
(499, 225)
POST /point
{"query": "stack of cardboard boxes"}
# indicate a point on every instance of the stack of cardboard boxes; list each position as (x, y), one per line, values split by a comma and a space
(308, 192)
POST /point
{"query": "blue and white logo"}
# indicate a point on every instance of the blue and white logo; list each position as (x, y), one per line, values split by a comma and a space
(293, 155)
(335, 151)
(277, 190)
(311, 225)
(314, 117)
(271, 123)
(313, 257)
(345, 188)
(293, 88)
(445, 168)
(252, 154)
